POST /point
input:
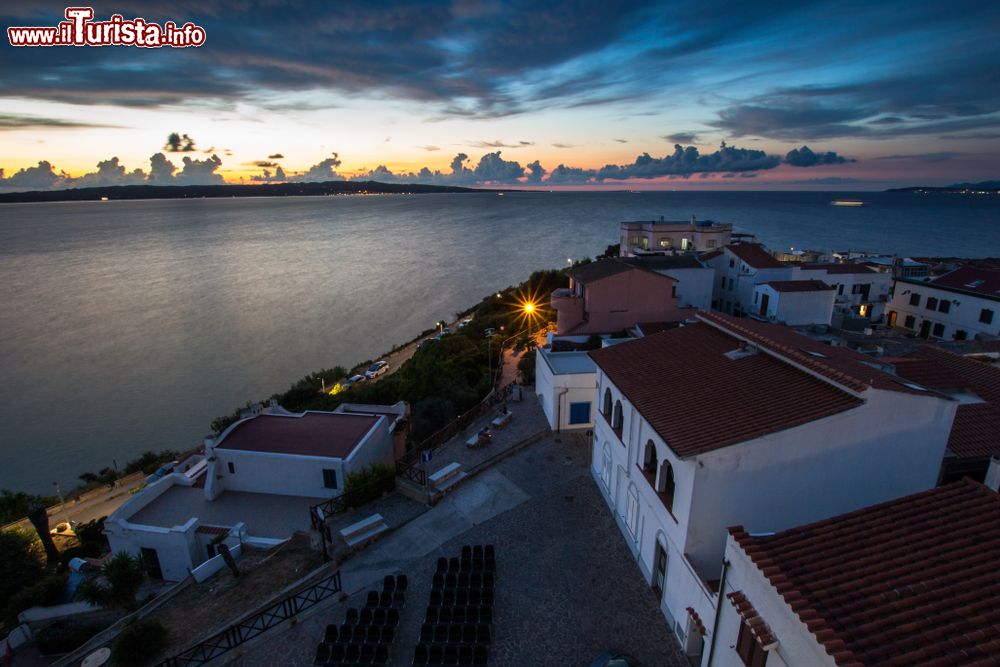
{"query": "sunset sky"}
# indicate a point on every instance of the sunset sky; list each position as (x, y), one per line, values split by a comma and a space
(883, 94)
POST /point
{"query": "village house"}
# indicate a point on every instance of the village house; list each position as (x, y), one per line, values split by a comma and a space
(730, 421)
(962, 304)
(671, 236)
(862, 292)
(253, 485)
(911, 581)
(739, 268)
(794, 302)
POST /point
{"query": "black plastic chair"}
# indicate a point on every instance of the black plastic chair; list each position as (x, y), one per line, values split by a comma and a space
(426, 633)
(450, 580)
(476, 580)
(489, 551)
(366, 616)
(445, 615)
(477, 565)
(469, 634)
(330, 637)
(438, 581)
(480, 656)
(466, 551)
(465, 655)
(458, 615)
(448, 597)
(485, 614)
(489, 565)
(472, 614)
(337, 653)
(385, 600)
(372, 599)
(402, 582)
(322, 654)
(352, 616)
(378, 616)
(489, 579)
(477, 552)
(360, 635)
(463, 579)
(346, 631)
(388, 634)
(441, 634)
(374, 635)
(453, 565)
(475, 596)
(381, 655)
(435, 655)
(352, 654)
(483, 634)
(367, 654)
(398, 599)
(442, 565)
(420, 656)
(437, 597)
(450, 655)
(432, 615)
(454, 634)
(461, 596)
(389, 583)
(392, 617)
(488, 597)
(466, 564)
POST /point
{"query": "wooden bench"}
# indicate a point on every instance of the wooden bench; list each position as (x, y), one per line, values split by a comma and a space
(446, 476)
(502, 420)
(365, 530)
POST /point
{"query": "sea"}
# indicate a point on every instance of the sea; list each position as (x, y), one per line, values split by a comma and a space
(128, 326)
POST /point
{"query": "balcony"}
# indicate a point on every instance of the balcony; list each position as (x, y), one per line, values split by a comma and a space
(666, 498)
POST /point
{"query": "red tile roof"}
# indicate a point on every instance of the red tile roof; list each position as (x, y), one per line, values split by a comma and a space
(696, 619)
(841, 365)
(760, 629)
(755, 255)
(799, 286)
(712, 254)
(328, 434)
(835, 268)
(909, 582)
(971, 279)
(976, 430)
(673, 377)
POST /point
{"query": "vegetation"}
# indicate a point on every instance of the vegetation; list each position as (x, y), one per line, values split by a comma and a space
(370, 483)
(45, 592)
(122, 576)
(92, 542)
(526, 367)
(64, 637)
(138, 642)
(22, 564)
(14, 504)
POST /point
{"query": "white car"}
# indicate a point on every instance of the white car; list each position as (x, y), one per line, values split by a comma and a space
(376, 369)
(353, 380)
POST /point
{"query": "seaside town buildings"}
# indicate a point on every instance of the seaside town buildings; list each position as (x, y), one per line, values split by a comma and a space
(670, 236)
(696, 422)
(959, 305)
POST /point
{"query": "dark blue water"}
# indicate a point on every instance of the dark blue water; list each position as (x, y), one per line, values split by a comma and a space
(127, 326)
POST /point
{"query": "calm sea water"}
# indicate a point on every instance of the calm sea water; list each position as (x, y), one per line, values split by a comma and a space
(127, 326)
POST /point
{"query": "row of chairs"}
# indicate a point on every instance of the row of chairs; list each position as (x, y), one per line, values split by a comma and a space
(480, 614)
(461, 597)
(372, 616)
(435, 655)
(386, 599)
(393, 584)
(464, 580)
(336, 655)
(469, 633)
(359, 634)
(456, 565)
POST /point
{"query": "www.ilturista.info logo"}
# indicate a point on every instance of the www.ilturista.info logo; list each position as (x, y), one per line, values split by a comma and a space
(79, 29)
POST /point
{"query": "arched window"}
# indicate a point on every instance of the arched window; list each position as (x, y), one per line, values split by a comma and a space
(607, 403)
(618, 418)
(649, 458)
(606, 468)
(632, 511)
(665, 484)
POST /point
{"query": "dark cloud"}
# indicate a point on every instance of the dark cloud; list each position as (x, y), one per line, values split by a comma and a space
(275, 156)
(11, 121)
(682, 137)
(940, 156)
(268, 164)
(830, 180)
(110, 172)
(162, 171)
(178, 143)
(500, 144)
(621, 141)
(805, 157)
(267, 177)
(558, 145)
(40, 177)
(429, 148)
(535, 172)
(199, 172)
(325, 170)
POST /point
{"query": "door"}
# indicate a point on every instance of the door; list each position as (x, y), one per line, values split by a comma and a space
(764, 299)
(151, 561)
(925, 329)
(659, 570)
(892, 318)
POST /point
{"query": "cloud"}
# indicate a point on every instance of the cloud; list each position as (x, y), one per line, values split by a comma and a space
(494, 169)
(10, 121)
(535, 172)
(940, 156)
(682, 138)
(804, 157)
(563, 145)
(429, 148)
(830, 180)
(261, 163)
(499, 144)
(178, 143)
(684, 162)
(325, 170)
(161, 170)
(200, 172)
(110, 172)
(40, 177)
(621, 141)
(275, 156)
(267, 177)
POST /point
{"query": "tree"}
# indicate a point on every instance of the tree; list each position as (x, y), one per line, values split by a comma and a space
(123, 575)
(22, 561)
(39, 518)
(526, 367)
(14, 504)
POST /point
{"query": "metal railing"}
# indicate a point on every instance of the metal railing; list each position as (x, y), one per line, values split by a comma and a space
(257, 624)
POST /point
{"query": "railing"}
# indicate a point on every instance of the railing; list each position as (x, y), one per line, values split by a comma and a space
(345, 501)
(257, 624)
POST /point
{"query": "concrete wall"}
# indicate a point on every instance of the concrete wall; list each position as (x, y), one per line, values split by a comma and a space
(176, 547)
(963, 313)
(794, 308)
(620, 301)
(557, 392)
(694, 286)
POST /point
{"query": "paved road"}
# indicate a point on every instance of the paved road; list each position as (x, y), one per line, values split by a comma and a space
(94, 505)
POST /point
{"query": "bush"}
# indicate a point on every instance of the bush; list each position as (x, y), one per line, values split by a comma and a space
(14, 504)
(138, 642)
(526, 366)
(42, 593)
(370, 483)
(22, 561)
(63, 637)
(123, 575)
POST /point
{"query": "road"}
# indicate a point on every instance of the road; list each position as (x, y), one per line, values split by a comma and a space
(93, 504)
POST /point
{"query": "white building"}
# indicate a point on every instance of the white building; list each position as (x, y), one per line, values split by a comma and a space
(565, 382)
(862, 292)
(962, 304)
(738, 269)
(695, 280)
(254, 486)
(669, 236)
(794, 302)
(908, 582)
(731, 421)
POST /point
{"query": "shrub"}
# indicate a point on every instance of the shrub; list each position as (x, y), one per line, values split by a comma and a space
(14, 504)
(526, 366)
(22, 561)
(138, 642)
(370, 483)
(43, 593)
(63, 637)
(123, 575)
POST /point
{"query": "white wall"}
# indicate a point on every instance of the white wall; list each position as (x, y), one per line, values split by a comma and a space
(795, 308)
(694, 286)
(176, 548)
(963, 313)
(557, 392)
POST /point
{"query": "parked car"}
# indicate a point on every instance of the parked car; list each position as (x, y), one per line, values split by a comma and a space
(66, 528)
(162, 471)
(353, 380)
(376, 369)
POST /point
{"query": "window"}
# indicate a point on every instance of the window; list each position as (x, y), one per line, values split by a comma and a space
(722, 282)
(606, 468)
(944, 306)
(329, 478)
(755, 295)
(931, 303)
(986, 316)
(914, 299)
(579, 413)
(938, 330)
(665, 484)
(617, 419)
(732, 264)
(909, 321)
(961, 335)
(649, 457)
(232, 468)
(607, 403)
(730, 284)
(749, 649)
(673, 291)
(840, 289)
(667, 243)
(632, 511)
(710, 243)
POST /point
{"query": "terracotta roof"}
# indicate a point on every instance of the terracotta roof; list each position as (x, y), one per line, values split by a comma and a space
(971, 279)
(605, 268)
(837, 267)
(696, 619)
(673, 377)
(976, 430)
(328, 434)
(712, 254)
(845, 367)
(799, 286)
(663, 262)
(910, 582)
(755, 255)
(760, 629)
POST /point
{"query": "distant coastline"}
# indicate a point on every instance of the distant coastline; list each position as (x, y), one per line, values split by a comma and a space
(984, 188)
(123, 192)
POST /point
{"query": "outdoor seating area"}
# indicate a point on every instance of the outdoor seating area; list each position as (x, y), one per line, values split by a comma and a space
(457, 629)
(367, 634)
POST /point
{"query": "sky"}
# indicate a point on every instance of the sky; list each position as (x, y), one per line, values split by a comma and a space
(639, 95)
